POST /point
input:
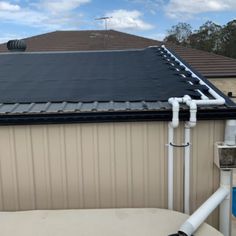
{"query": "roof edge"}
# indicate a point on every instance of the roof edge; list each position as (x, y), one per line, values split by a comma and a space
(103, 117)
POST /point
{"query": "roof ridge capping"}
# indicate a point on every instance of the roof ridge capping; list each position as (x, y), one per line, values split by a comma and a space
(78, 52)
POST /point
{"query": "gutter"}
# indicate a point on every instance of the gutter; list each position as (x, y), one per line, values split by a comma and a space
(117, 116)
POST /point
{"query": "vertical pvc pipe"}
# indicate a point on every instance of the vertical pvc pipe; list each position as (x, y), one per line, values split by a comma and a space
(225, 206)
(187, 171)
(230, 132)
(173, 124)
(170, 167)
(187, 131)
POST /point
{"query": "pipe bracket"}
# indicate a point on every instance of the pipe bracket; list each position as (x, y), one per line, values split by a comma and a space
(176, 145)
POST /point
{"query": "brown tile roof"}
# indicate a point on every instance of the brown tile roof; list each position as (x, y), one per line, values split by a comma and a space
(208, 64)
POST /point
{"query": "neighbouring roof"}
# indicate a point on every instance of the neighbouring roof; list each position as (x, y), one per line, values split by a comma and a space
(98, 85)
(208, 64)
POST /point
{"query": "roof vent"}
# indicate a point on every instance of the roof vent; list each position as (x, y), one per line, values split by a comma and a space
(16, 45)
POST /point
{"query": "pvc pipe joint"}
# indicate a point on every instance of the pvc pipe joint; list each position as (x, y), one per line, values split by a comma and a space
(193, 113)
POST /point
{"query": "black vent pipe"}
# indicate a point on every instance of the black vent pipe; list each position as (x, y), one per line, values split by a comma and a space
(16, 45)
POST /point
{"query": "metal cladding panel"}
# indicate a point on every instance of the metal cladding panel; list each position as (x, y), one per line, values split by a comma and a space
(102, 166)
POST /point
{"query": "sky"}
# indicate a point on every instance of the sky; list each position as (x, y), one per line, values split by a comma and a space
(148, 18)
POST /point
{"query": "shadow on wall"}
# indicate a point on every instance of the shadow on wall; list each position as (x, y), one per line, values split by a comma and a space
(232, 96)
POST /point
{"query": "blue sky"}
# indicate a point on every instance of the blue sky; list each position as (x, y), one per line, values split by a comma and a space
(149, 18)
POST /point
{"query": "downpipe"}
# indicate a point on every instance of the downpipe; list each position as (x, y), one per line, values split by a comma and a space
(187, 163)
(226, 181)
(171, 126)
(192, 104)
(200, 215)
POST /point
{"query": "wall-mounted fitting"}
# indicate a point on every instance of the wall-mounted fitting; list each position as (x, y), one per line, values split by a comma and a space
(225, 156)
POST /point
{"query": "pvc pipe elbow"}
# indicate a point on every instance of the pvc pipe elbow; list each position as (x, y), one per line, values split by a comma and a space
(193, 114)
(170, 100)
(186, 98)
(175, 110)
(221, 101)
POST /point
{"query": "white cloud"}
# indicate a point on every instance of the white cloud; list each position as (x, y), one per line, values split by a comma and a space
(127, 20)
(189, 8)
(153, 6)
(157, 36)
(6, 6)
(52, 16)
(6, 36)
(57, 6)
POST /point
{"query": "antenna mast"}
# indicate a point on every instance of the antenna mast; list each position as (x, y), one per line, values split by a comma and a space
(105, 19)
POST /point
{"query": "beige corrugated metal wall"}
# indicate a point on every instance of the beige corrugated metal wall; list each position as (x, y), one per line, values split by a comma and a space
(101, 165)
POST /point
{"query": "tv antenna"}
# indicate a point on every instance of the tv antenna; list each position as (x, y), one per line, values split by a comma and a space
(105, 19)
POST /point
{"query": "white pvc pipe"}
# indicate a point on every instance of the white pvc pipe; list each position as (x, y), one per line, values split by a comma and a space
(230, 132)
(200, 215)
(170, 167)
(193, 113)
(218, 100)
(226, 181)
(173, 124)
(187, 170)
(187, 166)
(225, 206)
(175, 112)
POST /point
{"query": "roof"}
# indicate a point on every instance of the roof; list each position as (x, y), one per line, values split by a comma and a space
(98, 85)
(208, 64)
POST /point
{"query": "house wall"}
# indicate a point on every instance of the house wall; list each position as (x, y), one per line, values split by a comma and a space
(225, 85)
(102, 166)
